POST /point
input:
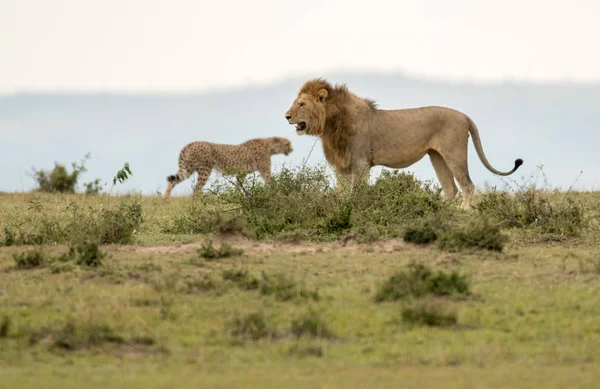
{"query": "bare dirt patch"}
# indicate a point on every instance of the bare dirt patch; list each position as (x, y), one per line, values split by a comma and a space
(253, 246)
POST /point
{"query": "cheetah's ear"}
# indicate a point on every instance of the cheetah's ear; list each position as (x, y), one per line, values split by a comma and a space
(322, 94)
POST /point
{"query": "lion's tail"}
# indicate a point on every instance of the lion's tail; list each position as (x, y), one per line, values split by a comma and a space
(479, 148)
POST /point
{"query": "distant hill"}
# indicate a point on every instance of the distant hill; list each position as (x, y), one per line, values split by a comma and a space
(557, 126)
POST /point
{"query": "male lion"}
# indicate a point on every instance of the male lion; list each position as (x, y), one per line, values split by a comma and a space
(357, 136)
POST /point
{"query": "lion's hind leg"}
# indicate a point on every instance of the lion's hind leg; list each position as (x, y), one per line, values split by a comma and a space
(444, 175)
(456, 161)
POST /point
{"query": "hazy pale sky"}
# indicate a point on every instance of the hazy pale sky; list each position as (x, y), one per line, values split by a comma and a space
(185, 45)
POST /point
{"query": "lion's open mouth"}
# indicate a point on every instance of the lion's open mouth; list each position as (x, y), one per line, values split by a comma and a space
(301, 126)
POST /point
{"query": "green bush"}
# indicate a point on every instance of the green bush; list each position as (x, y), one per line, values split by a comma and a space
(87, 254)
(118, 225)
(428, 314)
(549, 212)
(5, 325)
(73, 337)
(480, 234)
(312, 324)
(301, 202)
(420, 235)
(209, 252)
(253, 326)
(420, 281)
(284, 288)
(60, 180)
(30, 259)
(241, 278)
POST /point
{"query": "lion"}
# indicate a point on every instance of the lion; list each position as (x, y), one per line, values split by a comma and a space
(233, 160)
(357, 136)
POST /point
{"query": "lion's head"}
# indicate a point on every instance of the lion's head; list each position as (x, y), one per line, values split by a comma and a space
(331, 113)
(280, 145)
(308, 111)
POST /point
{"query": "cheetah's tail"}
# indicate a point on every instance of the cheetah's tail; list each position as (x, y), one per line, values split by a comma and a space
(174, 178)
(181, 175)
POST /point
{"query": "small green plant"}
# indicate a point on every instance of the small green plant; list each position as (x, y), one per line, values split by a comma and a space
(241, 278)
(427, 314)
(477, 234)
(209, 252)
(312, 324)
(122, 174)
(30, 259)
(93, 187)
(284, 288)
(5, 325)
(253, 326)
(87, 254)
(420, 281)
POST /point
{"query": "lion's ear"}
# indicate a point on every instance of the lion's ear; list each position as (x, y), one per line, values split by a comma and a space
(322, 93)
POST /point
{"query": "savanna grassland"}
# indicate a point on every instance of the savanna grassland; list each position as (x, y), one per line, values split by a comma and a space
(291, 285)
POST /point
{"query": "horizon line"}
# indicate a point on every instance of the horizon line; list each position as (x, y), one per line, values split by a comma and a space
(224, 88)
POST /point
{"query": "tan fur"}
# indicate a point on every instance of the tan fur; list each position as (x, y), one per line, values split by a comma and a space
(357, 136)
(233, 160)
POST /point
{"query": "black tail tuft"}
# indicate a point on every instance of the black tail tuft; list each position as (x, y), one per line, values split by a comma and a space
(173, 178)
(518, 163)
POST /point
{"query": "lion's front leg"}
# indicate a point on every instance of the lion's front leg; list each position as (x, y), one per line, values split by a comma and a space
(360, 175)
(343, 182)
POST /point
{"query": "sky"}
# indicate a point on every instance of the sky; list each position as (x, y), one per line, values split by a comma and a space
(189, 45)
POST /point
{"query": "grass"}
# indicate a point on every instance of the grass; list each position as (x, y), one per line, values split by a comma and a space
(537, 309)
(305, 313)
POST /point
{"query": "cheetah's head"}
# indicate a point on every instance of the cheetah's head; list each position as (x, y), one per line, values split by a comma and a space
(281, 146)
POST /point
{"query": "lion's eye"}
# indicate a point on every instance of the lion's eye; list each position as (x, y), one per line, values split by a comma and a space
(300, 104)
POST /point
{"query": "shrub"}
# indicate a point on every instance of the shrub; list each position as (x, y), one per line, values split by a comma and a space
(118, 226)
(398, 197)
(312, 324)
(477, 234)
(284, 289)
(241, 278)
(208, 251)
(253, 326)
(428, 314)
(5, 325)
(420, 281)
(59, 180)
(87, 254)
(301, 202)
(199, 285)
(550, 213)
(420, 235)
(30, 259)
(73, 337)
(198, 220)
(293, 199)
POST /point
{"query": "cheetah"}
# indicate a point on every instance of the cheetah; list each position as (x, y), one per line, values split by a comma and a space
(232, 160)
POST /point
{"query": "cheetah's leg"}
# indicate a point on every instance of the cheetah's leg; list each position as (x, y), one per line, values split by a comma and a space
(265, 171)
(182, 174)
(203, 174)
(239, 182)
